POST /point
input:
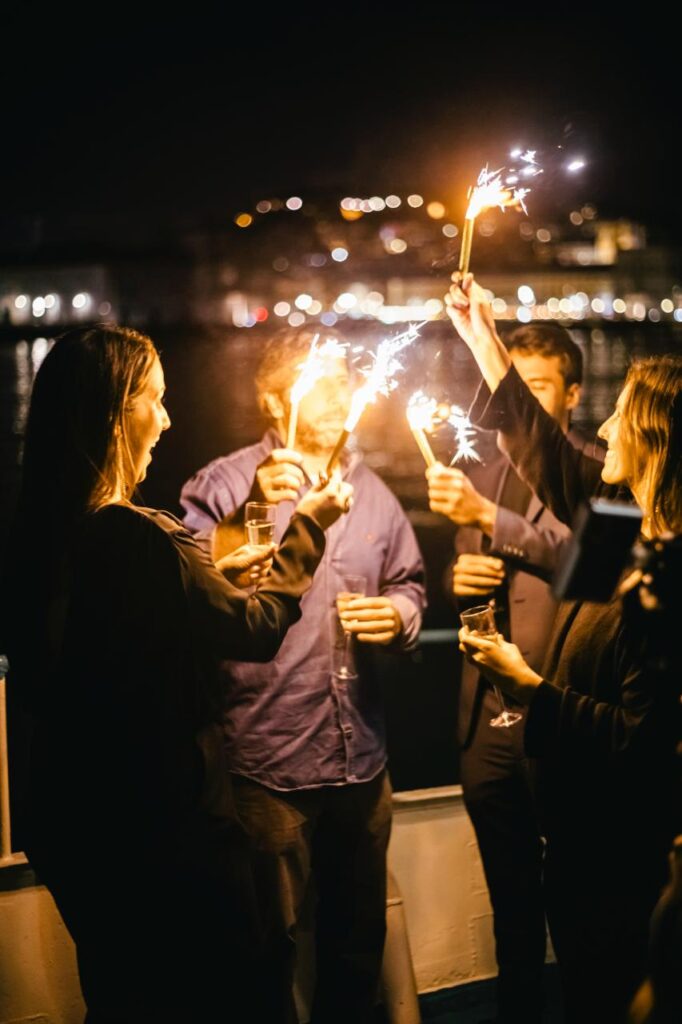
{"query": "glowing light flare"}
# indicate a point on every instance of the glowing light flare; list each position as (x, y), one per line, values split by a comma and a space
(420, 412)
(464, 432)
(379, 380)
(425, 415)
(315, 366)
(491, 191)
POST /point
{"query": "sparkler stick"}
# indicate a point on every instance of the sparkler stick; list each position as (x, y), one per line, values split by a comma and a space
(425, 414)
(420, 414)
(312, 370)
(379, 379)
(491, 191)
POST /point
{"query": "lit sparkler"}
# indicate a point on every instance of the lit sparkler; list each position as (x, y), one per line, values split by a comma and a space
(312, 370)
(464, 433)
(379, 380)
(490, 190)
(421, 412)
(425, 415)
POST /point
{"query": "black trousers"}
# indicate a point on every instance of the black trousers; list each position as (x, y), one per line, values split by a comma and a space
(498, 797)
(600, 891)
(338, 836)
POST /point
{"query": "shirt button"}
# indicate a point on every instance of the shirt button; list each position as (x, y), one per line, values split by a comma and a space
(347, 731)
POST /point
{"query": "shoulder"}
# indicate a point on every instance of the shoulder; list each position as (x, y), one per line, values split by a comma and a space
(124, 530)
(369, 486)
(239, 463)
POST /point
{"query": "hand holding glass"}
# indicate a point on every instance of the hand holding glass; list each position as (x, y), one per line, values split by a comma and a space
(481, 621)
(352, 586)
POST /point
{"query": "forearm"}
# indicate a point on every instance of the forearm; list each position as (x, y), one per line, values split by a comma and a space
(492, 358)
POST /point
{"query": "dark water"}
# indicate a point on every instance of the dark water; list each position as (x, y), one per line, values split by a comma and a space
(211, 402)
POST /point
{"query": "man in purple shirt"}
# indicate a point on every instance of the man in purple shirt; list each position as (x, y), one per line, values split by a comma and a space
(307, 747)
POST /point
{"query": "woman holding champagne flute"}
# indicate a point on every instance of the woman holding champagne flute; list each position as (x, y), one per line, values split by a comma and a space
(115, 625)
(600, 728)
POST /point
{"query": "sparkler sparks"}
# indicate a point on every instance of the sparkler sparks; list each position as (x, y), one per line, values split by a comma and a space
(379, 380)
(490, 191)
(425, 415)
(311, 370)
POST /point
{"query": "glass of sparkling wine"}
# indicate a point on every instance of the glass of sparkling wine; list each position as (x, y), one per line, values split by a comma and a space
(259, 523)
(481, 622)
(351, 586)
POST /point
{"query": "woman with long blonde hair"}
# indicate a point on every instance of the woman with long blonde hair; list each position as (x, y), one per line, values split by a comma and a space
(600, 724)
(115, 623)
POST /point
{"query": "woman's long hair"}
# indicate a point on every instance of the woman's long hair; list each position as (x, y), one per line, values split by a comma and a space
(76, 453)
(652, 424)
(76, 457)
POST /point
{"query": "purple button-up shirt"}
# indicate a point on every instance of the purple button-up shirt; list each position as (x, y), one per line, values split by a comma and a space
(291, 724)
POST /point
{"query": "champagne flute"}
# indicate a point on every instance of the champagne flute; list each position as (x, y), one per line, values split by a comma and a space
(352, 586)
(481, 621)
(259, 524)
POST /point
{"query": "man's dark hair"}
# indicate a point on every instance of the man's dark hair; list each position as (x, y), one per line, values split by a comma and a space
(548, 340)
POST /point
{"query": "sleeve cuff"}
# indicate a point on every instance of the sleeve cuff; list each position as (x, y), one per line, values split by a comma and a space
(411, 620)
(488, 409)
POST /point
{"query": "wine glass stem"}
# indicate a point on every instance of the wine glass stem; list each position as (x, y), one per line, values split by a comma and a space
(500, 698)
(347, 637)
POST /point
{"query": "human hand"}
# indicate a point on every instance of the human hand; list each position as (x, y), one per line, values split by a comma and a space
(501, 663)
(476, 575)
(452, 493)
(373, 620)
(280, 477)
(327, 500)
(247, 565)
(469, 310)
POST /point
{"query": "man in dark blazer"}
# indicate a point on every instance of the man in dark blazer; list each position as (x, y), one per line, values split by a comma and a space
(506, 549)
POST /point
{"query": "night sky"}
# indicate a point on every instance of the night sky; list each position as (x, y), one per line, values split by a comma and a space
(146, 120)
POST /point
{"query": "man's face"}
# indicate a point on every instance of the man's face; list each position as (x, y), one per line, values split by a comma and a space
(323, 411)
(543, 376)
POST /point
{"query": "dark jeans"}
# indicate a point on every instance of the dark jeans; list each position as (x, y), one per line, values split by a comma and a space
(498, 798)
(338, 835)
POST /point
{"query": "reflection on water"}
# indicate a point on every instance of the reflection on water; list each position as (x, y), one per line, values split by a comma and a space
(212, 403)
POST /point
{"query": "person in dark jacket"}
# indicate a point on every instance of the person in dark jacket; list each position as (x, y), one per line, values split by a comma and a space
(115, 622)
(506, 546)
(603, 731)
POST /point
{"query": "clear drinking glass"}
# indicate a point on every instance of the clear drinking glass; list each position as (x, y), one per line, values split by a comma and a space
(351, 586)
(481, 621)
(259, 522)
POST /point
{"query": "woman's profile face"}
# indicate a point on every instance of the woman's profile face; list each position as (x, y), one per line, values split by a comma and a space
(146, 419)
(619, 464)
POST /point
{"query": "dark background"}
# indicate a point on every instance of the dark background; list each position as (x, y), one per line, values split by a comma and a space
(124, 119)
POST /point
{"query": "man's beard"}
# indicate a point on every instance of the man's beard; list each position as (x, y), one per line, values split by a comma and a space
(315, 441)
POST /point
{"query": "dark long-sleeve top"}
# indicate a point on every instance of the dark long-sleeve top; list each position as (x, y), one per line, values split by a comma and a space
(123, 680)
(602, 726)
